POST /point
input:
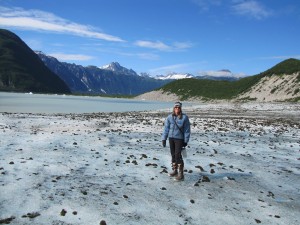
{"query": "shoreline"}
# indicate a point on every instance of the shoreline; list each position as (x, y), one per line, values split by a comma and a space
(289, 111)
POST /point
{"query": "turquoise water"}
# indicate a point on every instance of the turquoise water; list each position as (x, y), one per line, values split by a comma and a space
(42, 103)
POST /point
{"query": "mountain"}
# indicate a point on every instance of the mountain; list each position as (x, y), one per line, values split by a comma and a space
(22, 71)
(118, 69)
(280, 83)
(174, 76)
(112, 79)
(225, 75)
(288, 66)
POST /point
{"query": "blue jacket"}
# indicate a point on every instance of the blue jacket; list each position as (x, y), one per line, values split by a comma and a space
(171, 130)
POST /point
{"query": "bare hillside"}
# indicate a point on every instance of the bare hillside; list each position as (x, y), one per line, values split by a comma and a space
(268, 89)
(274, 88)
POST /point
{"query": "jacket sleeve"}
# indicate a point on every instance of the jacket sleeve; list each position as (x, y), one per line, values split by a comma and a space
(187, 129)
(166, 129)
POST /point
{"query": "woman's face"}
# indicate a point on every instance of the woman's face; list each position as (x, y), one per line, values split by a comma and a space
(177, 110)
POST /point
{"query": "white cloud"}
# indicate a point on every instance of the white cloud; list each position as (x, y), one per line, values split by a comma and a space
(75, 57)
(251, 8)
(220, 73)
(182, 45)
(158, 45)
(169, 69)
(44, 21)
(155, 45)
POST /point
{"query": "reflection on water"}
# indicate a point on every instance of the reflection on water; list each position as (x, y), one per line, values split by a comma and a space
(42, 103)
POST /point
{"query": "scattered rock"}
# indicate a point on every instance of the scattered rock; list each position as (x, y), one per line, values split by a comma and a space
(102, 222)
(164, 171)
(31, 215)
(63, 212)
(201, 168)
(270, 194)
(205, 179)
(144, 156)
(7, 220)
(257, 221)
(151, 164)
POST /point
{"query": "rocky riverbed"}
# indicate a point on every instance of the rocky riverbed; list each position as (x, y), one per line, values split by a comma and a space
(242, 167)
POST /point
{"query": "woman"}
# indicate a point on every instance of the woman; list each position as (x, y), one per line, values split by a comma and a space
(177, 128)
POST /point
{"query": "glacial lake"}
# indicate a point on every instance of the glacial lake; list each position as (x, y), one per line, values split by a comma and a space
(43, 103)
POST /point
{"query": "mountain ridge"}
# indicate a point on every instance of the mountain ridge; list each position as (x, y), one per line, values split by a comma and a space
(22, 71)
(113, 79)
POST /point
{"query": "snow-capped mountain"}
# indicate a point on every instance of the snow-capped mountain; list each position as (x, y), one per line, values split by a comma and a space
(174, 76)
(113, 66)
(110, 79)
(117, 68)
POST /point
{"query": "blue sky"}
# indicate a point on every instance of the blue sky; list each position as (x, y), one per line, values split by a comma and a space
(160, 36)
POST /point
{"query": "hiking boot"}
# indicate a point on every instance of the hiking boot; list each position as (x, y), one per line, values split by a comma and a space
(174, 170)
(180, 175)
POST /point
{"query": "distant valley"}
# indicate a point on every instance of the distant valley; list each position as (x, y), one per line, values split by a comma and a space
(23, 70)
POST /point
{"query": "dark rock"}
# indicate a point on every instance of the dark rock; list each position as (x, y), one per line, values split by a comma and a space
(205, 179)
(31, 215)
(257, 221)
(102, 222)
(7, 220)
(63, 212)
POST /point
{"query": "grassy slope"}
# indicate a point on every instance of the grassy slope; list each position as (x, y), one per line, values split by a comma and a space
(210, 89)
(288, 66)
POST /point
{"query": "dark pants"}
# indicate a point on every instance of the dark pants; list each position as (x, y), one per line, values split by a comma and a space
(176, 147)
